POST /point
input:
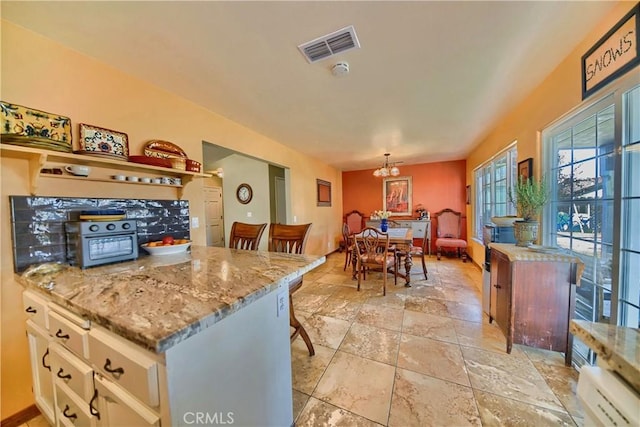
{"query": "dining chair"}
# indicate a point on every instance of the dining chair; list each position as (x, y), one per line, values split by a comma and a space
(448, 233)
(292, 239)
(416, 251)
(348, 242)
(373, 252)
(355, 221)
(246, 236)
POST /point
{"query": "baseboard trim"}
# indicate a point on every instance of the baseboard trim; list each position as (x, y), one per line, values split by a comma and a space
(21, 417)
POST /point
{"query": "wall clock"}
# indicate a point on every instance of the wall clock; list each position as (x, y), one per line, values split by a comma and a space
(244, 193)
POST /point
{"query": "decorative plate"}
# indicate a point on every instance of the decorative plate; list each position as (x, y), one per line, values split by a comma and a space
(34, 128)
(95, 141)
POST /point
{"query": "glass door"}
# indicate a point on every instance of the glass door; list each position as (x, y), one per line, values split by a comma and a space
(592, 160)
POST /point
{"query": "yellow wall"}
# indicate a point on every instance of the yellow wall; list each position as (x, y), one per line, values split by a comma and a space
(558, 94)
(39, 73)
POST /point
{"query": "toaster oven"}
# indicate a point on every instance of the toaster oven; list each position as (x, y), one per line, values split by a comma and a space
(93, 243)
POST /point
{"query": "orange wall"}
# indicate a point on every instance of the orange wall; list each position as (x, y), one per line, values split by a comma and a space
(435, 185)
(558, 94)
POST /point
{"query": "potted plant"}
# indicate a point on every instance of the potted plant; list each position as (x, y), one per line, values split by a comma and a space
(529, 196)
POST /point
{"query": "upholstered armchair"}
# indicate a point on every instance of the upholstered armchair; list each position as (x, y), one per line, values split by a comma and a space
(448, 233)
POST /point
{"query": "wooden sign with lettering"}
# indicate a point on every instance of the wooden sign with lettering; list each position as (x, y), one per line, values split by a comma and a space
(613, 55)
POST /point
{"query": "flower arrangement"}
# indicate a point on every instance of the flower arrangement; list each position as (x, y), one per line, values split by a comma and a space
(383, 214)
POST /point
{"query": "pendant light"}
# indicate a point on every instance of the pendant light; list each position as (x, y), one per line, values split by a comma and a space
(387, 169)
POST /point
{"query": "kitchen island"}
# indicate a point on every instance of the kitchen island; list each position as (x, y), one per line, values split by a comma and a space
(206, 335)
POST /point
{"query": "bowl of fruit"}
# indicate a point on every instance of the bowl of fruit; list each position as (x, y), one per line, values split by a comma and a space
(167, 246)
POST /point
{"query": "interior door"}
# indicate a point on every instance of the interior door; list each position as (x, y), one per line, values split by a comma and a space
(213, 216)
(281, 201)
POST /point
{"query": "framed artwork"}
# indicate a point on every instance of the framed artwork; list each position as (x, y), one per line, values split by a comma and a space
(95, 141)
(397, 195)
(468, 194)
(323, 189)
(525, 168)
(616, 53)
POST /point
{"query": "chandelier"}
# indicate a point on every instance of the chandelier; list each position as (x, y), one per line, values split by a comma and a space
(387, 169)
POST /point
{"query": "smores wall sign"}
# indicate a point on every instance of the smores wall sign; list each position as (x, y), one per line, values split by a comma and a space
(613, 55)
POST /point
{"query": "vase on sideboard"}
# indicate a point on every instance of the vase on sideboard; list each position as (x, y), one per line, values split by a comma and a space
(384, 225)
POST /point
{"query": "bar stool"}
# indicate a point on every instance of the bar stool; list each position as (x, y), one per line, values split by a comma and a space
(292, 239)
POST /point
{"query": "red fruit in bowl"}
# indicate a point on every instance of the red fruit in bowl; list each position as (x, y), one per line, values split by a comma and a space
(167, 240)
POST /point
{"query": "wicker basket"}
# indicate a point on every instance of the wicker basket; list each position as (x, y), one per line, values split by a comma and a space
(178, 163)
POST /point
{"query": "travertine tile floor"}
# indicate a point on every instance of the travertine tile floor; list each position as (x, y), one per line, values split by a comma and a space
(420, 356)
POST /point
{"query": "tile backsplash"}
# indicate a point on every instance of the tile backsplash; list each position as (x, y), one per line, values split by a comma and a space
(38, 231)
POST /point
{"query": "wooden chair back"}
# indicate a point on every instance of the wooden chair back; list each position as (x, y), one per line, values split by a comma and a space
(288, 238)
(448, 224)
(373, 246)
(246, 236)
(373, 252)
(355, 221)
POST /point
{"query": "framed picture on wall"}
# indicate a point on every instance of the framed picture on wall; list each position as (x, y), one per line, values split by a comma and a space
(324, 192)
(525, 169)
(397, 195)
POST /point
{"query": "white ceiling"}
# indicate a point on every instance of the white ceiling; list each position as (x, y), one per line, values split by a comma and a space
(430, 78)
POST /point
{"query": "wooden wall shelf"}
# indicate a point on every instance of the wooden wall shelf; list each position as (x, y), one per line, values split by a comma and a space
(38, 159)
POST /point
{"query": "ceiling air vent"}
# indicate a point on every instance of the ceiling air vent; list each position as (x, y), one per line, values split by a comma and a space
(329, 45)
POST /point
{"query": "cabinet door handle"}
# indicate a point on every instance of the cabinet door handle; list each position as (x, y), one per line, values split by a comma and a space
(64, 377)
(60, 335)
(108, 368)
(46, 353)
(70, 416)
(31, 310)
(497, 286)
(93, 410)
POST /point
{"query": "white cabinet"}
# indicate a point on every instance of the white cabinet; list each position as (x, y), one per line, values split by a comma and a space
(40, 361)
(85, 376)
(99, 378)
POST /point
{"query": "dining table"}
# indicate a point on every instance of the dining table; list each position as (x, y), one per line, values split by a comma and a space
(402, 239)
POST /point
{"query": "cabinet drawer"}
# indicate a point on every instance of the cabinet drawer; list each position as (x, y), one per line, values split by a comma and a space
(70, 335)
(70, 370)
(36, 308)
(125, 365)
(117, 408)
(71, 411)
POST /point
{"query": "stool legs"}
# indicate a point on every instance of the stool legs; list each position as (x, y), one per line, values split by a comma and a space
(298, 329)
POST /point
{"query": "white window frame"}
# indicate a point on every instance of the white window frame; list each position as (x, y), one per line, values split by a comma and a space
(485, 181)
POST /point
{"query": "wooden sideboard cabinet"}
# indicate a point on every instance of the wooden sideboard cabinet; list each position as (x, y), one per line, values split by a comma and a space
(532, 297)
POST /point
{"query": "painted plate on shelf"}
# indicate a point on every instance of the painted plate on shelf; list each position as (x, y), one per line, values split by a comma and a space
(29, 127)
(95, 141)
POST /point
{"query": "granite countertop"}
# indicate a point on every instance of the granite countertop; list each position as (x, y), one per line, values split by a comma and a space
(616, 347)
(519, 253)
(158, 301)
